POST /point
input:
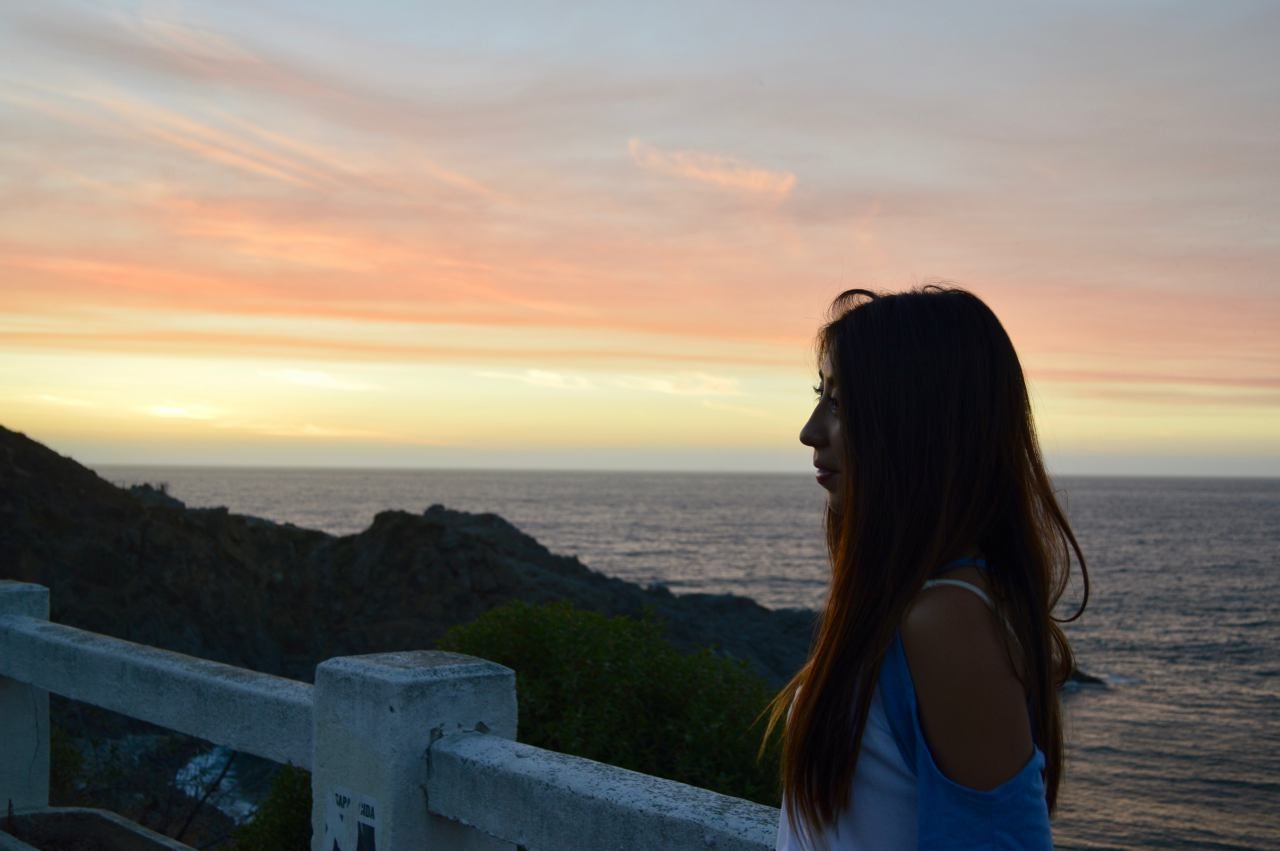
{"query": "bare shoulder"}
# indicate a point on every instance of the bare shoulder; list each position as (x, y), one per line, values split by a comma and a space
(972, 706)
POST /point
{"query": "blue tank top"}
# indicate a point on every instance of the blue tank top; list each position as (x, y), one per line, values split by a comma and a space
(904, 799)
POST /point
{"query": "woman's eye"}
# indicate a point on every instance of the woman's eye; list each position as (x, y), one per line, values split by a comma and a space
(818, 389)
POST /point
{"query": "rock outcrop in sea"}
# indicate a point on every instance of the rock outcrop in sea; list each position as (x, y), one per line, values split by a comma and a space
(138, 564)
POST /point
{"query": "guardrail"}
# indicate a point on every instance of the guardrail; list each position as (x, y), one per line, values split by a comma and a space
(411, 750)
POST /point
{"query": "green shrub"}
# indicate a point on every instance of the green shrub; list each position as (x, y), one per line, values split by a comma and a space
(614, 690)
(66, 766)
(283, 821)
(608, 689)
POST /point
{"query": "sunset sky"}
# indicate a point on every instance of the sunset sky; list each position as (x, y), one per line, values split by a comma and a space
(602, 235)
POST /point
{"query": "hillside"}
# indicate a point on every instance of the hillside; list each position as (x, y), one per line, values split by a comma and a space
(140, 565)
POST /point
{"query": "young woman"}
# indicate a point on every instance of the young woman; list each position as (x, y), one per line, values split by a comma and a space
(927, 715)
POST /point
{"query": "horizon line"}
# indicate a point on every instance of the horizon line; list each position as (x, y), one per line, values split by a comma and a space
(613, 470)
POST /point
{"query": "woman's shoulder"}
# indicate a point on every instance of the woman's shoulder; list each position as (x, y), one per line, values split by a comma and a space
(971, 705)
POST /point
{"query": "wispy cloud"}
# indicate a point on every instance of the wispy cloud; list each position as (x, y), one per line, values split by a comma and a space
(275, 428)
(1204, 382)
(64, 401)
(316, 378)
(542, 378)
(181, 412)
(181, 181)
(172, 283)
(257, 232)
(166, 343)
(1202, 398)
(205, 142)
(742, 410)
(713, 169)
(310, 430)
(682, 384)
(255, 72)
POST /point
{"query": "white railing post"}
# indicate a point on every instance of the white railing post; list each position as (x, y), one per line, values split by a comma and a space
(24, 714)
(375, 719)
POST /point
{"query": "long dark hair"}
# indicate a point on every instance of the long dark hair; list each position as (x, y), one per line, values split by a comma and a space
(940, 459)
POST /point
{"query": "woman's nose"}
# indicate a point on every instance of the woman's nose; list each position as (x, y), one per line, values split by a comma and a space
(812, 434)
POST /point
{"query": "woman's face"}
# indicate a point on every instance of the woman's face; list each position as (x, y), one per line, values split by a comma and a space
(822, 433)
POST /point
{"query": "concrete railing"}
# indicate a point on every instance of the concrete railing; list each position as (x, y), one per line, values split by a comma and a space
(410, 750)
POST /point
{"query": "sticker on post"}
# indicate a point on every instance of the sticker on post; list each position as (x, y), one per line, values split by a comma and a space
(350, 822)
(366, 825)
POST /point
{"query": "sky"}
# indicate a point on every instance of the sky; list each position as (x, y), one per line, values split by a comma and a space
(570, 235)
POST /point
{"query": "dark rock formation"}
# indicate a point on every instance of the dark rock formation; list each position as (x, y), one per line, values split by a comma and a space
(140, 565)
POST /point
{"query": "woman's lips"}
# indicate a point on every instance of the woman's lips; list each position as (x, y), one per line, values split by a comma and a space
(825, 476)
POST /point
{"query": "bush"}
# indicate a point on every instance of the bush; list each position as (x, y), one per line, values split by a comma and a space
(614, 690)
(66, 767)
(608, 689)
(283, 821)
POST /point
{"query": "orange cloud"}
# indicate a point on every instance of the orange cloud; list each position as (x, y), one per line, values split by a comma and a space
(712, 169)
(1209, 378)
(1200, 397)
(201, 57)
(146, 341)
(318, 198)
(257, 233)
(87, 275)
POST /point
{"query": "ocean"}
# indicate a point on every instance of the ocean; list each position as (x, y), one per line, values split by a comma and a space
(1179, 749)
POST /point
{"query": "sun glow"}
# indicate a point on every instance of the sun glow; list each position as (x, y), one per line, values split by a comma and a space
(222, 241)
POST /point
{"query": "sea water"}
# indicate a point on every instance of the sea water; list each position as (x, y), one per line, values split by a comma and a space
(1179, 749)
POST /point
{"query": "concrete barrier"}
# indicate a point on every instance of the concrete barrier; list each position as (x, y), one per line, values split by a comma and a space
(245, 710)
(410, 750)
(375, 718)
(547, 800)
(24, 709)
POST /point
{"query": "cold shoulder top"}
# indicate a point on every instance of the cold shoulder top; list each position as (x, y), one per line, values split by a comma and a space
(904, 801)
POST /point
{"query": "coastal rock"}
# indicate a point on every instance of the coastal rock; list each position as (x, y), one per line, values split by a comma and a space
(138, 564)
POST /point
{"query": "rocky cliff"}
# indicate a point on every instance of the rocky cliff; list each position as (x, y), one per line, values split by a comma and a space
(140, 565)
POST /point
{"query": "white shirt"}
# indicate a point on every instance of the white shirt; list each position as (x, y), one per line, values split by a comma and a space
(883, 811)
